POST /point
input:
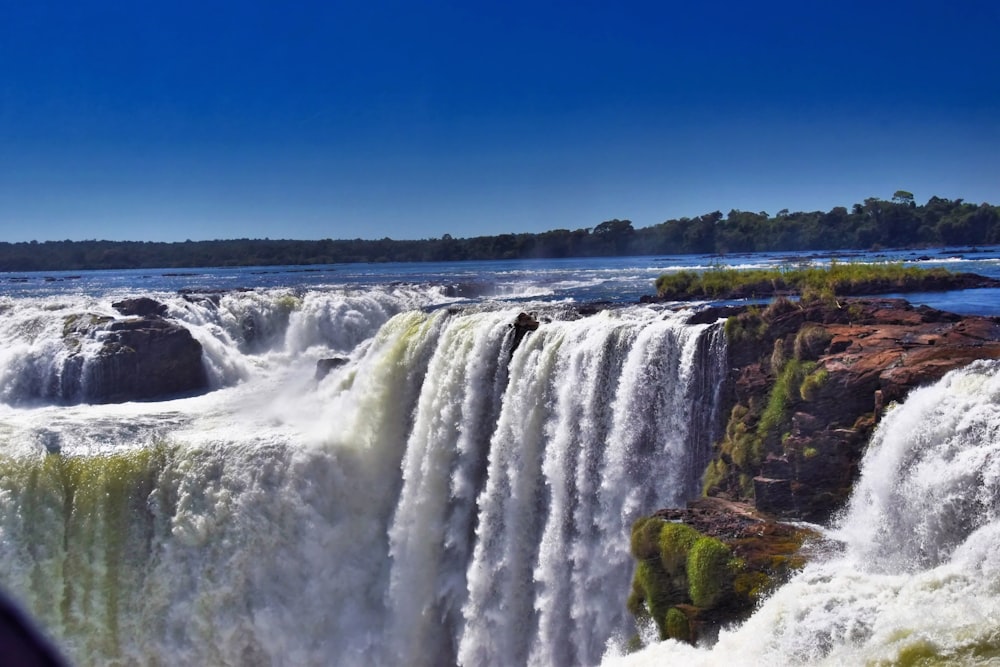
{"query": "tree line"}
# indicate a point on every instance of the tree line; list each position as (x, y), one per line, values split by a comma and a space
(873, 224)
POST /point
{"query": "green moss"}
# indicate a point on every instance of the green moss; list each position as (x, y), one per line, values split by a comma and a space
(676, 540)
(810, 453)
(752, 585)
(715, 474)
(288, 302)
(785, 390)
(778, 356)
(645, 542)
(708, 570)
(677, 626)
(636, 602)
(655, 588)
(633, 644)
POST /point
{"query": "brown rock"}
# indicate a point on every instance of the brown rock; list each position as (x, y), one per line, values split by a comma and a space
(866, 353)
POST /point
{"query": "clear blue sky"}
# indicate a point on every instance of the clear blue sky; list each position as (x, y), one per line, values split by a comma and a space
(180, 120)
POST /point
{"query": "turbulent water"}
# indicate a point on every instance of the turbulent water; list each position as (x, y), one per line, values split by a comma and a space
(441, 498)
(916, 580)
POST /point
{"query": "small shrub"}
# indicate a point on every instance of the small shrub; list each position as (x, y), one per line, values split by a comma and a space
(810, 342)
(812, 384)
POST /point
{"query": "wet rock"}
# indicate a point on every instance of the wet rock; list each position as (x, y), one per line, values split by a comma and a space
(523, 323)
(324, 366)
(141, 307)
(137, 359)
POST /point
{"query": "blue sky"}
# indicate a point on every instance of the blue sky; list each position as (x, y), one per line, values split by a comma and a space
(217, 119)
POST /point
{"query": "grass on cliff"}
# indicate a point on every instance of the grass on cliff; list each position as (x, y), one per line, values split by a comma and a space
(837, 278)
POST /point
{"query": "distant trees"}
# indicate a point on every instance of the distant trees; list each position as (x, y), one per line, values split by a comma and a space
(903, 197)
(899, 222)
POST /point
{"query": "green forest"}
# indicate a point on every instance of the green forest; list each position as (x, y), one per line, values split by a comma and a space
(876, 223)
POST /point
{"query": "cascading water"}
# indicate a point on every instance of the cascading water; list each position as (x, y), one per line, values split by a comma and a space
(440, 498)
(917, 580)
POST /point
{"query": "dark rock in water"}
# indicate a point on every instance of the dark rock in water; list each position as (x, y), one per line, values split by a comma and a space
(523, 323)
(324, 366)
(139, 359)
(248, 325)
(144, 359)
(141, 306)
(714, 313)
(208, 298)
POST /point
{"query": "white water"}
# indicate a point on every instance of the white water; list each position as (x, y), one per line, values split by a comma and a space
(436, 500)
(918, 578)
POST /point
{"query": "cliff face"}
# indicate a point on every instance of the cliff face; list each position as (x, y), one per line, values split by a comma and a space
(810, 382)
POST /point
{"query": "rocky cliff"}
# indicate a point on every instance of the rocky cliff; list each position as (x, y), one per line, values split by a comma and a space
(809, 381)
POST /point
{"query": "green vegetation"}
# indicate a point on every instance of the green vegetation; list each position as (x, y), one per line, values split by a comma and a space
(709, 570)
(677, 626)
(764, 424)
(692, 579)
(812, 383)
(812, 282)
(785, 390)
(874, 223)
(677, 565)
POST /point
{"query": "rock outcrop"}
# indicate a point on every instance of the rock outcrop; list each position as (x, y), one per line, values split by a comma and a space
(522, 324)
(141, 306)
(137, 358)
(709, 564)
(810, 383)
(324, 366)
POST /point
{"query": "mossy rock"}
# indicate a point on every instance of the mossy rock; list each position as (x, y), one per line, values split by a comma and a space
(709, 570)
(677, 625)
(676, 540)
(716, 560)
(645, 542)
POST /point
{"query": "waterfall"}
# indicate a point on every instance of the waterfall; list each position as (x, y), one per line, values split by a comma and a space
(441, 498)
(917, 577)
